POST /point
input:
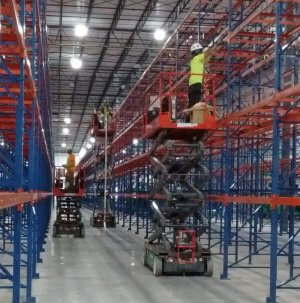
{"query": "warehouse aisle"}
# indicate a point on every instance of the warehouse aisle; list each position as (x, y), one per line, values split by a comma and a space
(106, 267)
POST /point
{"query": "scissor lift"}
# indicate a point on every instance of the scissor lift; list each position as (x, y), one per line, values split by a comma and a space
(102, 214)
(174, 247)
(68, 216)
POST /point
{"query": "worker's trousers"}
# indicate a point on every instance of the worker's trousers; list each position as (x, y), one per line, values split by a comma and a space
(194, 94)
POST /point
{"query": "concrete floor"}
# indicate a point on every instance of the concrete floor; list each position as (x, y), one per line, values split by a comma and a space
(106, 266)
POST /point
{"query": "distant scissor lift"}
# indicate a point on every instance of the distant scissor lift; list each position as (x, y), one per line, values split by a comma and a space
(68, 205)
(174, 247)
(103, 170)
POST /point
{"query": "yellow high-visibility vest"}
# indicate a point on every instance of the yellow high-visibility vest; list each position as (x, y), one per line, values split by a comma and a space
(197, 67)
(71, 164)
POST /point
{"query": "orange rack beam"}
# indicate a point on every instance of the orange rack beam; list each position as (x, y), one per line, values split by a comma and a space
(270, 200)
(9, 199)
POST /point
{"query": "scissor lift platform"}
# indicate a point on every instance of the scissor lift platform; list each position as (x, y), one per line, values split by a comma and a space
(179, 130)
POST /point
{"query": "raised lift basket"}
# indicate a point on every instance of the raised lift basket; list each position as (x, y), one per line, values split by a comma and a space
(61, 187)
(167, 107)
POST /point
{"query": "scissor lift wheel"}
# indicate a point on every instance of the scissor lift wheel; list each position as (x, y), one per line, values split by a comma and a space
(209, 268)
(55, 231)
(157, 266)
(145, 258)
(80, 232)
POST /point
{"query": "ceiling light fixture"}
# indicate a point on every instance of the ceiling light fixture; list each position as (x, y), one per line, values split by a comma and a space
(76, 63)
(82, 153)
(89, 145)
(159, 35)
(135, 142)
(64, 145)
(66, 131)
(81, 30)
(67, 120)
(92, 139)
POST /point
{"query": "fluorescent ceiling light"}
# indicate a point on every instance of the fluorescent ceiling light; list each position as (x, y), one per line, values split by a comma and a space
(82, 153)
(135, 142)
(154, 205)
(76, 63)
(67, 120)
(66, 131)
(159, 35)
(81, 30)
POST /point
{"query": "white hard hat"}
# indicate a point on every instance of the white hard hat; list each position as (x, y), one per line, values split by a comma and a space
(196, 46)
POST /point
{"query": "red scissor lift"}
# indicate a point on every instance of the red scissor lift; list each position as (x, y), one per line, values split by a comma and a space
(68, 204)
(102, 214)
(174, 246)
(97, 130)
(167, 100)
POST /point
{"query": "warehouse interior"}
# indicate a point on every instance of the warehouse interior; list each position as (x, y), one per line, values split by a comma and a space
(149, 151)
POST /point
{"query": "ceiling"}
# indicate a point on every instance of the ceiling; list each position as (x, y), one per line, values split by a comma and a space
(117, 49)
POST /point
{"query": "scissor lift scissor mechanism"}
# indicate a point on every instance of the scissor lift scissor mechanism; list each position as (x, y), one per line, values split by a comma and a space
(174, 246)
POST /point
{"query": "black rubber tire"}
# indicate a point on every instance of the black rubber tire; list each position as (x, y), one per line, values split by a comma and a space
(145, 258)
(209, 268)
(55, 231)
(157, 267)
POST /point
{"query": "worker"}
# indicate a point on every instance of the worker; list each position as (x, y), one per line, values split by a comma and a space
(70, 166)
(105, 112)
(196, 77)
(197, 64)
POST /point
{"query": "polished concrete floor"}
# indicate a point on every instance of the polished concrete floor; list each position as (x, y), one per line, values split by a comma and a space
(106, 266)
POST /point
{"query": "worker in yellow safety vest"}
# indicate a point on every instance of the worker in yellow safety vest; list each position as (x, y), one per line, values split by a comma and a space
(70, 166)
(197, 64)
(196, 78)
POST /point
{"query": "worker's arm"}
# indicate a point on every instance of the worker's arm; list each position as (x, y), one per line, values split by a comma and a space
(209, 53)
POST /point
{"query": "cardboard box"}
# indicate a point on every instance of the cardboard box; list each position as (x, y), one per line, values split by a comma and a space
(198, 111)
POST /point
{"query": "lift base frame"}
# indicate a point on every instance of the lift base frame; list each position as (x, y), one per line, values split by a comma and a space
(68, 218)
(68, 229)
(161, 262)
(97, 220)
